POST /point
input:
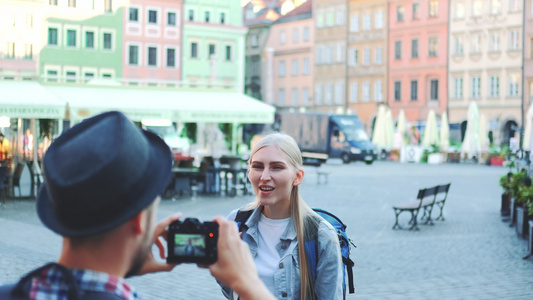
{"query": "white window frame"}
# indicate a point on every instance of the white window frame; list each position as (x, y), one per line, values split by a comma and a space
(305, 34)
(354, 92)
(328, 97)
(282, 37)
(158, 55)
(366, 91)
(319, 93)
(175, 11)
(514, 39)
(282, 97)
(295, 67)
(494, 86)
(295, 35)
(96, 33)
(176, 53)
(458, 88)
(282, 72)
(305, 96)
(139, 54)
(340, 15)
(339, 92)
(378, 19)
(378, 91)
(55, 68)
(513, 87)
(139, 13)
(294, 96)
(367, 21)
(366, 56)
(113, 33)
(76, 28)
(475, 92)
(354, 23)
(378, 55)
(306, 65)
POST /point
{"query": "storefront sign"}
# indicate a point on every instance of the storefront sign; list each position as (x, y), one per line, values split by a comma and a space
(34, 112)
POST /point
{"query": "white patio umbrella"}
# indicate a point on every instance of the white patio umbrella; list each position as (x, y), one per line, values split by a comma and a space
(389, 128)
(378, 135)
(483, 132)
(444, 131)
(471, 146)
(431, 134)
(401, 128)
(528, 139)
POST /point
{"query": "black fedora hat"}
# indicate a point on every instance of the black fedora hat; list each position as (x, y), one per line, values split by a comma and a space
(101, 173)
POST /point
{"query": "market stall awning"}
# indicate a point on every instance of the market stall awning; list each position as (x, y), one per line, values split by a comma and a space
(139, 104)
(29, 100)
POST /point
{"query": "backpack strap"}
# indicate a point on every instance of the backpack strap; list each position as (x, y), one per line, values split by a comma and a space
(241, 218)
(349, 267)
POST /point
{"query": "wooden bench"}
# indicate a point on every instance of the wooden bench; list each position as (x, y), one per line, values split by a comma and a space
(440, 199)
(425, 198)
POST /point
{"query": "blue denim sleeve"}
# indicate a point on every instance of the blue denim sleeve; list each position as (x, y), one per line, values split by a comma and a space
(328, 284)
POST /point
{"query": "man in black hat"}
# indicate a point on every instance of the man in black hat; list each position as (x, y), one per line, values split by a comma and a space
(102, 181)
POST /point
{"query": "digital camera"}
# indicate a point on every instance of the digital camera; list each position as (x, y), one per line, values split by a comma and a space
(192, 241)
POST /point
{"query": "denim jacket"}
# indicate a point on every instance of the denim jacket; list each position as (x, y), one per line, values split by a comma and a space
(328, 283)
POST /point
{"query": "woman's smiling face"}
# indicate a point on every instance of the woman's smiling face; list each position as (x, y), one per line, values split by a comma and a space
(272, 177)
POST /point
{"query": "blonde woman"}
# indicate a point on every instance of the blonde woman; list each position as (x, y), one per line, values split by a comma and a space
(279, 222)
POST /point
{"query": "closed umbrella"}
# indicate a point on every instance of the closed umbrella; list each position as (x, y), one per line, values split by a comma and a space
(389, 128)
(431, 136)
(401, 128)
(379, 135)
(528, 139)
(471, 146)
(444, 132)
(483, 132)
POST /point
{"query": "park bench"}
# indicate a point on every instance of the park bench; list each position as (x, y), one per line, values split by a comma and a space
(320, 173)
(440, 199)
(425, 198)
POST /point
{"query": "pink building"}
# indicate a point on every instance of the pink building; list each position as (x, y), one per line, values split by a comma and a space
(418, 43)
(152, 41)
(289, 60)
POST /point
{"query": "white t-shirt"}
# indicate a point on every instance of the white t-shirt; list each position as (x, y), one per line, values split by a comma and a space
(267, 259)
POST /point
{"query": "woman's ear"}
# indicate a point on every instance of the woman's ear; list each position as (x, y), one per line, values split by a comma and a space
(299, 177)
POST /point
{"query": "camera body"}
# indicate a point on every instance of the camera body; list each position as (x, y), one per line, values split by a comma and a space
(192, 241)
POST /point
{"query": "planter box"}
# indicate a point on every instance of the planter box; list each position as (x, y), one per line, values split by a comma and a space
(453, 157)
(506, 205)
(435, 158)
(530, 243)
(496, 161)
(522, 226)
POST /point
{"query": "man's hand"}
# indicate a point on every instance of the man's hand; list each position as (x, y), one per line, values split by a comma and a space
(160, 232)
(235, 266)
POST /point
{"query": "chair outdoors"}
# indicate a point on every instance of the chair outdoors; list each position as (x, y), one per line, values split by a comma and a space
(3, 176)
(16, 178)
(440, 200)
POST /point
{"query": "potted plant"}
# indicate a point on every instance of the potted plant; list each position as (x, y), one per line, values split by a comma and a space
(505, 183)
(497, 157)
(523, 197)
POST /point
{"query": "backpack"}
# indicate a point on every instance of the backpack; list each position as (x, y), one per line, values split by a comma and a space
(311, 246)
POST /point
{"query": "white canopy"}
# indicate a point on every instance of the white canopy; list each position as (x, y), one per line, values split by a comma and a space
(139, 104)
(431, 134)
(29, 100)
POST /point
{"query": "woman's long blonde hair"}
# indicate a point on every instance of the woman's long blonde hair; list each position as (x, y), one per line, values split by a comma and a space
(299, 210)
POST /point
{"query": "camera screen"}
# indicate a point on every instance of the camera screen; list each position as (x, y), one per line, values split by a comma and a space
(191, 245)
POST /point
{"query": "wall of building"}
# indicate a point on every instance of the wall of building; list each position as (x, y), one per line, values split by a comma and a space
(423, 68)
(292, 88)
(489, 61)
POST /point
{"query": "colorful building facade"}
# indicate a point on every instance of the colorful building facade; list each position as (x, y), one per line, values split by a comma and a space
(485, 64)
(213, 44)
(81, 40)
(289, 60)
(367, 58)
(331, 69)
(152, 42)
(417, 58)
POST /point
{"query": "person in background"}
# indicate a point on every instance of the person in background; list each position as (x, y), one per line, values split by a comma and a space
(280, 222)
(102, 181)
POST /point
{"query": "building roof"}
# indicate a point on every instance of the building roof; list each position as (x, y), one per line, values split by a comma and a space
(304, 11)
(266, 15)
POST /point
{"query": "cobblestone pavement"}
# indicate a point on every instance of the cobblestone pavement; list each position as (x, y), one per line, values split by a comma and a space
(472, 255)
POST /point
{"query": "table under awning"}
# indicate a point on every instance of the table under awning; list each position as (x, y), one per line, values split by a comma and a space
(180, 106)
(29, 100)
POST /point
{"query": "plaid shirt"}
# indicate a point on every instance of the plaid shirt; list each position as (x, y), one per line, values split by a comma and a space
(52, 285)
